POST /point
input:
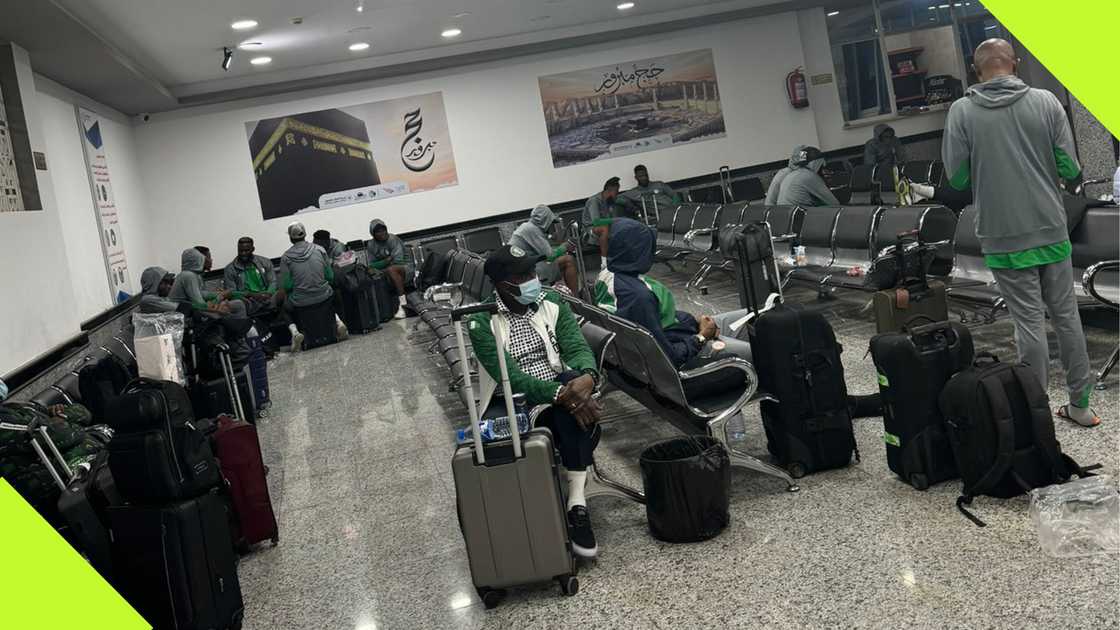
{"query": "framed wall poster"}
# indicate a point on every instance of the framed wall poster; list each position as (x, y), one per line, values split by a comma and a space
(101, 186)
(337, 157)
(632, 107)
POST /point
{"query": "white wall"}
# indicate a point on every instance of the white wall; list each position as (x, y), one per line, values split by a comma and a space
(200, 186)
(35, 312)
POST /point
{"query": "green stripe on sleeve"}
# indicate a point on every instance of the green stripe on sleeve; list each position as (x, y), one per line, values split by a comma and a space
(1067, 166)
(962, 179)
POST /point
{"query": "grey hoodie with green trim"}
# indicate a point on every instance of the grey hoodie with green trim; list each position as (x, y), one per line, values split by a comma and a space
(305, 274)
(189, 287)
(776, 182)
(1010, 143)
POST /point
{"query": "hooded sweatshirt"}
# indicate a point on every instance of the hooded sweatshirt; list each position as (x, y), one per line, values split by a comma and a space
(630, 255)
(803, 186)
(1011, 143)
(532, 236)
(255, 276)
(150, 300)
(188, 287)
(883, 152)
(383, 254)
(306, 274)
(776, 183)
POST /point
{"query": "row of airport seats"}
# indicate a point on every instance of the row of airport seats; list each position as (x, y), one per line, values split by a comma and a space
(66, 390)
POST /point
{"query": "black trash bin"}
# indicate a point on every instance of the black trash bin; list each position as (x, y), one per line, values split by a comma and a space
(687, 481)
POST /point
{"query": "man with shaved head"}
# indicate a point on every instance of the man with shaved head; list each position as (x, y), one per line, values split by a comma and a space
(1011, 143)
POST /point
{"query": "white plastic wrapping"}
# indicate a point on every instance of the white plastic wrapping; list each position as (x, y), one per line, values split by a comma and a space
(159, 346)
(1077, 518)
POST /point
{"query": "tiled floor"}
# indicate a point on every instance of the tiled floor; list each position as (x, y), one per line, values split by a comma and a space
(359, 442)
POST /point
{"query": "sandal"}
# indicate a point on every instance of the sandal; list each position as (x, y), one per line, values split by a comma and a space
(1063, 412)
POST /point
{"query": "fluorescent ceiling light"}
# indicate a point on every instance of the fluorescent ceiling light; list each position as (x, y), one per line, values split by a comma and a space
(243, 25)
(832, 13)
(260, 61)
(942, 6)
(359, 46)
(452, 32)
(248, 45)
(626, 6)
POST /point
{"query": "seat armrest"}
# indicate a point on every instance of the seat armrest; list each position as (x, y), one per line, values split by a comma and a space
(728, 362)
(784, 238)
(439, 288)
(690, 235)
(1089, 280)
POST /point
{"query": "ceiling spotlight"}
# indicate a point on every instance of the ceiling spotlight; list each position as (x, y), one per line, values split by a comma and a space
(361, 6)
(626, 6)
(833, 13)
(249, 45)
(260, 61)
(452, 32)
(227, 58)
(243, 25)
(357, 46)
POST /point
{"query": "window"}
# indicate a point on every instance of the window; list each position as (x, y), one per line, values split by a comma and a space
(904, 56)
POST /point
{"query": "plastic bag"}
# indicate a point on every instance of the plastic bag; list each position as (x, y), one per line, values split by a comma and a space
(687, 483)
(1077, 518)
(159, 346)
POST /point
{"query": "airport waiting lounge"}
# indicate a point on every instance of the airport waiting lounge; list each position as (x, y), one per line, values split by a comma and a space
(365, 315)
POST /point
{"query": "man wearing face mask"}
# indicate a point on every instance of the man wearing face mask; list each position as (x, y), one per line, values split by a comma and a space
(802, 184)
(251, 278)
(550, 363)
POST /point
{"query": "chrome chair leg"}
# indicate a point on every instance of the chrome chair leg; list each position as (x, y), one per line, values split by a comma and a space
(1108, 366)
(598, 485)
(718, 429)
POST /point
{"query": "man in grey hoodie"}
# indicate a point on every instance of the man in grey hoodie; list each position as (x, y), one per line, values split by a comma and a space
(884, 150)
(802, 184)
(190, 289)
(305, 278)
(1011, 143)
(385, 252)
(651, 195)
(155, 286)
(532, 238)
(776, 182)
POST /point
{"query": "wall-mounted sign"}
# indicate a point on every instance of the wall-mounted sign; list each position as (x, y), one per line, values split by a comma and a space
(631, 107)
(821, 79)
(101, 186)
(347, 155)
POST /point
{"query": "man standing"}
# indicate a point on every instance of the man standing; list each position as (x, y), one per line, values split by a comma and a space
(305, 275)
(802, 184)
(1011, 143)
(657, 196)
(250, 277)
(385, 252)
(884, 152)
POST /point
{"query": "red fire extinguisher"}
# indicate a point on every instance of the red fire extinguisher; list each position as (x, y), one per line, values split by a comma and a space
(796, 89)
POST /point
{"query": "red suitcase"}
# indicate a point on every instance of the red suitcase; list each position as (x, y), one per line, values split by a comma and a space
(239, 455)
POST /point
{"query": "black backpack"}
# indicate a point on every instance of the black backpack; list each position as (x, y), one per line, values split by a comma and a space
(99, 381)
(1002, 434)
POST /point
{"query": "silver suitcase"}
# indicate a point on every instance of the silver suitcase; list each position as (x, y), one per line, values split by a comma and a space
(511, 508)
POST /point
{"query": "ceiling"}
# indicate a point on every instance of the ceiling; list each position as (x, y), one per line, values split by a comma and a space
(158, 55)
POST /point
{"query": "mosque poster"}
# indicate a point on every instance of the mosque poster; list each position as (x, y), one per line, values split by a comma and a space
(347, 155)
(632, 107)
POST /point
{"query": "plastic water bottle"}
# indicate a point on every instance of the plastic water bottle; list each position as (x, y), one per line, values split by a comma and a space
(800, 258)
(736, 428)
(494, 429)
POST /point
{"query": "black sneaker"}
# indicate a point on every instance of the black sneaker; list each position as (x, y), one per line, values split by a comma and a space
(579, 530)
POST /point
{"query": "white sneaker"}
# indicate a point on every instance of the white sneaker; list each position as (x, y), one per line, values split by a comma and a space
(297, 341)
(400, 314)
(341, 332)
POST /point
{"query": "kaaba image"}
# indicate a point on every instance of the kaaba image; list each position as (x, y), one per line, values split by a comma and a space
(298, 158)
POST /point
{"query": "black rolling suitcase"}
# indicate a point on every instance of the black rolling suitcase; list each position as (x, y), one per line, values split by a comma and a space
(913, 368)
(213, 398)
(756, 273)
(385, 296)
(175, 563)
(797, 357)
(157, 453)
(360, 310)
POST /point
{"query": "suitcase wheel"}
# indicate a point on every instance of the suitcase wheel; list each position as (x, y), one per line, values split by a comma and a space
(569, 585)
(491, 597)
(275, 539)
(919, 481)
(796, 470)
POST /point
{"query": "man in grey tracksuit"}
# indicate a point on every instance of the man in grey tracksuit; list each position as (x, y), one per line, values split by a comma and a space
(189, 288)
(305, 277)
(1011, 143)
(776, 182)
(653, 197)
(884, 151)
(155, 285)
(555, 262)
(385, 253)
(802, 184)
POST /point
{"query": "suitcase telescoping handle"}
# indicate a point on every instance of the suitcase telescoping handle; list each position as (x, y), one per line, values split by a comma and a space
(500, 348)
(38, 435)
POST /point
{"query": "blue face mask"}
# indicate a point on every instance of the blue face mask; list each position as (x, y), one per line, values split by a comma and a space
(530, 291)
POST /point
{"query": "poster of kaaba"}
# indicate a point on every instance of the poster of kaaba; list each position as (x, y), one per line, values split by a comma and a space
(631, 107)
(347, 155)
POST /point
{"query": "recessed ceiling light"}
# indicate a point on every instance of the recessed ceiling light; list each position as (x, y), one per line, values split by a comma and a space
(248, 45)
(461, 15)
(243, 25)
(626, 6)
(356, 46)
(452, 32)
(832, 13)
(260, 61)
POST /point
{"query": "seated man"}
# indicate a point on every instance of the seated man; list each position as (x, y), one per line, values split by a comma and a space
(551, 364)
(600, 209)
(305, 280)
(251, 278)
(653, 197)
(332, 246)
(155, 286)
(532, 237)
(776, 182)
(188, 288)
(803, 185)
(208, 263)
(385, 252)
(649, 304)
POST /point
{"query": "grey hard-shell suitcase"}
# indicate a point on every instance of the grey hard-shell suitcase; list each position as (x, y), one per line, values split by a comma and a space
(511, 508)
